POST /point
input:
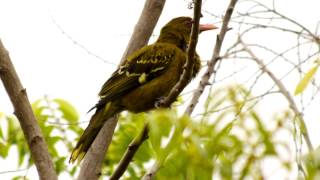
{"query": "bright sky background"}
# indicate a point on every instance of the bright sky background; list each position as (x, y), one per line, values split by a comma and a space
(49, 63)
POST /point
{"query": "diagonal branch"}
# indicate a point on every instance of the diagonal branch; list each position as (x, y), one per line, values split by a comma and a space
(28, 122)
(215, 58)
(128, 155)
(143, 29)
(176, 90)
(284, 92)
(92, 164)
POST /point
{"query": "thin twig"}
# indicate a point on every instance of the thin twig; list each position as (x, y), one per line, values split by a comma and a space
(187, 71)
(284, 92)
(215, 58)
(75, 42)
(13, 171)
(183, 79)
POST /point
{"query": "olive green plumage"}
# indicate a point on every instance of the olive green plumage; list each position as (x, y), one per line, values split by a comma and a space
(147, 75)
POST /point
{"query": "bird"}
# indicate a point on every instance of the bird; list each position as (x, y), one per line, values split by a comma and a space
(146, 76)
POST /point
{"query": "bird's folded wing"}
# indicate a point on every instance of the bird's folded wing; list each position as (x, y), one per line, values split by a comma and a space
(140, 68)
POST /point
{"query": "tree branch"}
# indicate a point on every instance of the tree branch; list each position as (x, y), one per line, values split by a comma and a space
(128, 155)
(92, 164)
(187, 71)
(215, 58)
(24, 113)
(143, 29)
(284, 92)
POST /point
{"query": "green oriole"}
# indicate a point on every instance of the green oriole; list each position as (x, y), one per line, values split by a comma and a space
(147, 75)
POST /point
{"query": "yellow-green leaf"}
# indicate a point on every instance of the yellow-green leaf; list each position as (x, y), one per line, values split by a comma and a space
(305, 80)
(68, 110)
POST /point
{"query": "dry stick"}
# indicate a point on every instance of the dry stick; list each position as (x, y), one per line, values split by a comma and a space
(284, 92)
(24, 113)
(314, 36)
(128, 155)
(215, 58)
(187, 72)
(92, 163)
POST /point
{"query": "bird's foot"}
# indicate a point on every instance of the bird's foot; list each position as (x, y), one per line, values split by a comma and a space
(159, 102)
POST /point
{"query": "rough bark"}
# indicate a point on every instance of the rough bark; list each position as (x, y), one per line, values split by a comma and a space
(143, 29)
(27, 120)
(92, 164)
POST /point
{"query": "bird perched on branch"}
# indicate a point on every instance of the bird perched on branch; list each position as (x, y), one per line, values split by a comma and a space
(148, 75)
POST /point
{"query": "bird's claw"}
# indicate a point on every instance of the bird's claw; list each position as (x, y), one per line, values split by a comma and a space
(159, 103)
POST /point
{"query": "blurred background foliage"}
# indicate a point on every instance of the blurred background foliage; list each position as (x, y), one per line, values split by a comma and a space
(229, 140)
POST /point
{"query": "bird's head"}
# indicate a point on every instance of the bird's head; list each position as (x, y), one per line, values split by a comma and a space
(178, 30)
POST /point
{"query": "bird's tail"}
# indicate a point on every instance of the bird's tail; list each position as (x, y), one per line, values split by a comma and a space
(96, 123)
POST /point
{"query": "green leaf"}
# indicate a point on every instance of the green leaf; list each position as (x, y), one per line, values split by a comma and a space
(22, 152)
(266, 136)
(53, 140)
(60, 165)
(68, 111)
(161, 123)
(11, 131)
(305, 80)
(4, 150)
(20, 178)
(1, 133)
(76, 129)
(73, 170)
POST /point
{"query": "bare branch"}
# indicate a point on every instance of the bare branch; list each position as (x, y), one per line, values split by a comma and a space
(143, 30)
(92, 164)
(128, 155)
(24, 113)
(215, 58)
(184, 77)
(187, 71)
(284, 92)
(13, 171)
(134, 145)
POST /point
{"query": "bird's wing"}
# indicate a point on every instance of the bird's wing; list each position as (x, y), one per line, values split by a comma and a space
(141, 67)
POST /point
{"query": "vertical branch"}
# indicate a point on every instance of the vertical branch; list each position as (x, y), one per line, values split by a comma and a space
(183, 79)
(24, 113)
(187, 71)
(134, 145)
(215, 58)
(92, 163)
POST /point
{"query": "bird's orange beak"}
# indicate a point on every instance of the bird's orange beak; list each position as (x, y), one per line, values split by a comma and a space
(206, 27)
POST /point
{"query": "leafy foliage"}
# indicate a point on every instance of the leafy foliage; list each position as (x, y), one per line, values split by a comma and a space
(57, 119)
(229, 140)
(230, 144)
